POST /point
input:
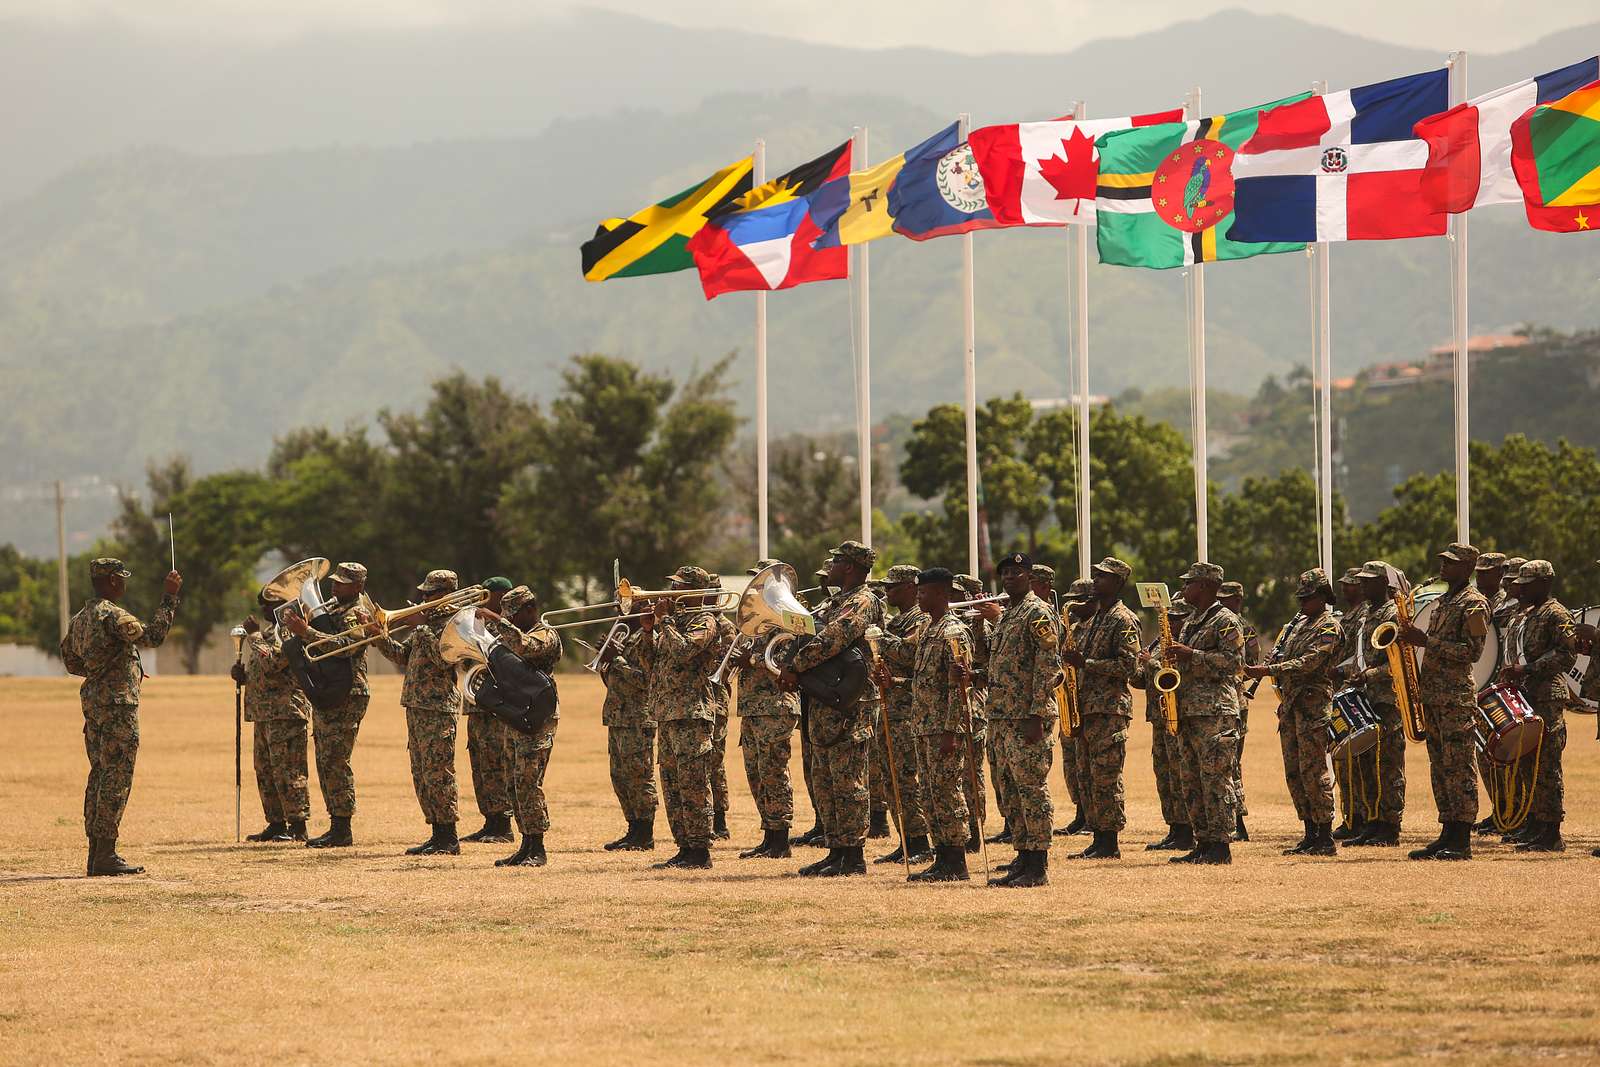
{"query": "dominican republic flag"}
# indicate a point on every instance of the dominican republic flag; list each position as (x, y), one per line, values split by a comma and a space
(764, 239)
(1046, 173)
(1469, 146)
(1346, 166)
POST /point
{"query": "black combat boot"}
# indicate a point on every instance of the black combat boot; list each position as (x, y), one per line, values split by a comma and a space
(1217, 853)
(523, 856)
(954, 869)
(1036, 871)
(1457, 843)
(697, 859)
(1014, 869)
(778, 848)
(1178, 837)
(672, 862)
(1377, 833)
(338, 835)
(1547, 840)
(1350, 829)
(1194, 855)
(851, 861)
(760, 851)
(1323, 844)
(1299, 847)
(879, 826)
(297, 830)
(892, 857)
(625, 842)
(1078, 824)
(1431, 849)
(1240, 831)
(812, 870)
(974, 835)
(933, 873)
(1486, 825)
(1003, 837)
(812, 838)
(719, 825)
(1092, 852)
(273, 831)
(920, 848)
(443, 842)
(496, 829)
(104, 861)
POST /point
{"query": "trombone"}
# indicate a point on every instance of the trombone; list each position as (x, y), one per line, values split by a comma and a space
(389, 621)
(628, 597)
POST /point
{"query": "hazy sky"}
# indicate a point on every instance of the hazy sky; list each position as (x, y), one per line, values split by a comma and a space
(961, 25)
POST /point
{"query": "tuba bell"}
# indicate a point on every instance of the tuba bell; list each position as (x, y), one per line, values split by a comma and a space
(768, 611)
(297, 589)
(493, 677)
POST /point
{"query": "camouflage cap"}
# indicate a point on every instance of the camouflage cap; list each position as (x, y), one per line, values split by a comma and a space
(901, 574)
(857, 553)
(1178, 606)
(349, 573)
(689, 576)
(1016, 559)
(517, 599)
(439, 582)
(1113, 565)
(1375, 568)
(713, 581)
(1043, 572)
(821, 572)
(1461, 553)
(1514, 564)
(1488, 561)
(106, 566)
(1231, 589)
(1202, 571)
(1313, 582)
(1533, 571)
(497, 584)
(761, 565)
(1351, 576)
(969, 583)
(1080, 590)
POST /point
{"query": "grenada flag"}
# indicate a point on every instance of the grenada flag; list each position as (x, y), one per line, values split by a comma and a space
(1555, 151)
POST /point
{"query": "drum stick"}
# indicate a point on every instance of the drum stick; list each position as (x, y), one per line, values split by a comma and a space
(172, 542)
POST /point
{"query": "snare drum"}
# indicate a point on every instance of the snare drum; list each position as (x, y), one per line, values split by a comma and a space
(1511, 728)
(1352, 725)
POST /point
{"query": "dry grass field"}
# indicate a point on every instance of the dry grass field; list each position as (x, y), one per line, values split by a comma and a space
(228, 953)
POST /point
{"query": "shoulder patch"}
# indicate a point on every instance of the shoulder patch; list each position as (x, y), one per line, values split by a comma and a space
(1477, 620)
(1231, 636)
(1043, 628)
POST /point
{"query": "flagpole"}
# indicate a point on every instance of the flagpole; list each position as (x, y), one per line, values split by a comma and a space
(1323, 384)
(1197, 331)
(858, 161)
(1463, 364)
(759, 177)
(1080, 239)
(969, 371)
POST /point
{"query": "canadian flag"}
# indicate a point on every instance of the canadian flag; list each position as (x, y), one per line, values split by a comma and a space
(1045, 173)
(1469, 146)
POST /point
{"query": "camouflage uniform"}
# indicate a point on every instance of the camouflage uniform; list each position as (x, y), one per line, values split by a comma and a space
(1456, 633)
(1208, 719)
(1389, 763)
(1073, 769)
(1109, 642)
(1252, 657)
(841, 738)
(983, 753)
(677, 658)
(334, 729)
(719, 733)
(528, 755)
(432, 705)
(489, 741)
(767, 718)
(937, 708)
(1548, 646)
(280, 711)
(1352, 774)
(1024, 668)
(630, 733)
(102, 646)
(1166, 750)
(1302, 672)
(897, 647)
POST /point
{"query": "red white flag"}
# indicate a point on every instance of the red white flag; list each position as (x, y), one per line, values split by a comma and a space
(1045, 173)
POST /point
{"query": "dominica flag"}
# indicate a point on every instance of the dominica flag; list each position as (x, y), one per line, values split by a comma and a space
(655, 240)
(1164, 195)
(1555, 151)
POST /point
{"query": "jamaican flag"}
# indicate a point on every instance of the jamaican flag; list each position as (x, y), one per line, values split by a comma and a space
(654, 240)
(1555, 152)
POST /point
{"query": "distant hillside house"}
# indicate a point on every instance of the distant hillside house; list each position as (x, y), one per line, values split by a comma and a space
(1440, 364)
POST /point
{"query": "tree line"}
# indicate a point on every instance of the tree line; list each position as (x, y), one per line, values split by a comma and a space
(627, 464)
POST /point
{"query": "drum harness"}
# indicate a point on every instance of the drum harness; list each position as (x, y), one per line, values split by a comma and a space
(1509, 809)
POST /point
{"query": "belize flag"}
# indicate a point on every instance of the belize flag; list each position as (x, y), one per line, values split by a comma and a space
(764, 239)
(939, 191)
(1346, 166)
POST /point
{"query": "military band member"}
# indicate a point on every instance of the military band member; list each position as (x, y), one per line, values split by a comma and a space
(897, 647)
(1589, 684)
(1024, 670)
(102, 647)
(1349, 774)
(489, 748)
(1232, 597)
(677, 653)
(941, 719)
(1388, 765)
(630, 742)
(334, 729)
(1452, 644)
(1107, 658)
(1044, 581)
(1166, 749)
(1303, 672)
(841, 738)
(968, 587)
(768, 716)
(815, 836)
(1210, 654)
(1544, 646)
(432, 705)
(1490, 576)
(1077, 608)
(279, 713)
(721, 696)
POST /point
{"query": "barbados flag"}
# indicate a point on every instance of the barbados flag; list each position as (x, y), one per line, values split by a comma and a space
(763, 240)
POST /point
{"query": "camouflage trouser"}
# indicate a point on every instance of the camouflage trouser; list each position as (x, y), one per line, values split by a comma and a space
(111, 737)
(945, 785)
(877, 781)
(1347, 778)
(1102, 744)
(766, 741)
(1208, 744)
(280, 758)
(333, 732)
(1548, 786)
(529, 755)
(977, 802)
(684, 748)
(903, 739)
(997, 775)
(1239, 808)
(489, 751)
(719, 764)
(807, 760)
(1388, 763)
(431, 740)
(1072, 769)
(1166, 757)
(1304, 739)
(632, 752)
(843, 800)
(1026, 765)
(1450, 749)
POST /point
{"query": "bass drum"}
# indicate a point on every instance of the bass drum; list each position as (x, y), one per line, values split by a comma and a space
(1589, 616)
(1483, 671)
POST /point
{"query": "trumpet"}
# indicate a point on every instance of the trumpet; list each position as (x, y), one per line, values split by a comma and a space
(1167, 678)
(390, 621)
(973, 605)
(1403, 667)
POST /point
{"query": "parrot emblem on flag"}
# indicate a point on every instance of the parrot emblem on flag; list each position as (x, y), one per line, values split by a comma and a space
(1204, 169)
(1194, 195)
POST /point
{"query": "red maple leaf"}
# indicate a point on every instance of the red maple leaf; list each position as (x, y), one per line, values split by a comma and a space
(1074, 176)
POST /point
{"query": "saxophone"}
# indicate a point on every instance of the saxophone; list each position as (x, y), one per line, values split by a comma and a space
(1402, 667)
(1167, 678)
(1069, 714)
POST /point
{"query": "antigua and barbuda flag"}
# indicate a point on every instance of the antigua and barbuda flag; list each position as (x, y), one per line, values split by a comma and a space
(940, 192)
(1044, 173)
(1346, 166)
(1469, 146)
(1555, 152)
(764, 240)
